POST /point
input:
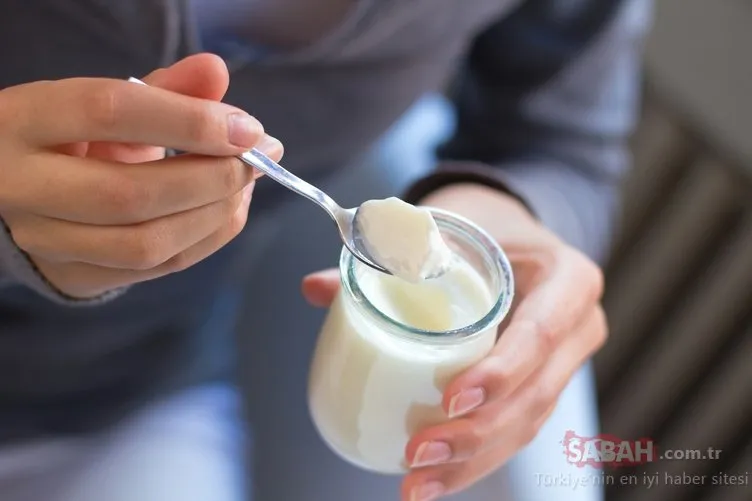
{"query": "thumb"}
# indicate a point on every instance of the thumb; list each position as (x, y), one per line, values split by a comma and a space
(321, 288)
(204, 76)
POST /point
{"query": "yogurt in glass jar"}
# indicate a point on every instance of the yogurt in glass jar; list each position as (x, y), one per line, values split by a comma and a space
(389, 347)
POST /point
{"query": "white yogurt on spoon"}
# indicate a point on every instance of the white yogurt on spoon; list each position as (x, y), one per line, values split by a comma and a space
(403, 238)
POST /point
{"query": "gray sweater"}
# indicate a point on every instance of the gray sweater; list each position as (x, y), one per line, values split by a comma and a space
(546, 94)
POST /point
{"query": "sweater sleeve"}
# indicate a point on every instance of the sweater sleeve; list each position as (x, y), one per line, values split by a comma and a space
(16, 269)
(546, 101)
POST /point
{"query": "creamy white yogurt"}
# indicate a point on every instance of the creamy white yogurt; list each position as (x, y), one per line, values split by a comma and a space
(371, 389)
(403, 238)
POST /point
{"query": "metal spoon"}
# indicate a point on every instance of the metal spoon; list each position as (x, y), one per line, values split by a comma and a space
(345, 219)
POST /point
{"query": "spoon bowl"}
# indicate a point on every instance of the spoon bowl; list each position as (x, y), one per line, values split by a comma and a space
(345, 219)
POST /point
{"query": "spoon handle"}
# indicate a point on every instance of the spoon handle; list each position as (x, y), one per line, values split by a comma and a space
(289, 180)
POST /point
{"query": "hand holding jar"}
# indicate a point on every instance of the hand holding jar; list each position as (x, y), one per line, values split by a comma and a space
(495, 406)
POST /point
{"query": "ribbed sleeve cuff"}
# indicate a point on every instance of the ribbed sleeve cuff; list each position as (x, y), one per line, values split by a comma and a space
(456, 172)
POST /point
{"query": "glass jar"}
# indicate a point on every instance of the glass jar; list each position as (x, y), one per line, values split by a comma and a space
(374, 380)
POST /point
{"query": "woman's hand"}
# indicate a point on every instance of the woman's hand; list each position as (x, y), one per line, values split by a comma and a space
(87, 193)
(499, 405)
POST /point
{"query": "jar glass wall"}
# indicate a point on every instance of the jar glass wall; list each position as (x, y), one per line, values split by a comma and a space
(375, 379)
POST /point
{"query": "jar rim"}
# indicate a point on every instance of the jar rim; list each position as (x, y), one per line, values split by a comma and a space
(469, 233)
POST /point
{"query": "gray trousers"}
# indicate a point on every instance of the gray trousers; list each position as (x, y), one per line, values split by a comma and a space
(207, 443)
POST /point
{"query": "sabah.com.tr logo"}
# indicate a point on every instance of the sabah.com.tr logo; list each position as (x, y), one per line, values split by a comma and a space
(609, 451)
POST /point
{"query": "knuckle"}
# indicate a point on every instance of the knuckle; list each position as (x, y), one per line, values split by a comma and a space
(543, 397)
(237, 223)
(499, 376)
(238, 220)
(223, 212)
(547, 336)
(472, 443)
(230, 206)
(202, 127)
(143, 250)
(232, 174)
(127, 199)
(179, 262)
(102, 105)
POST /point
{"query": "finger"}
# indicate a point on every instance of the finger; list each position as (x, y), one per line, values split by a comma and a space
(95, 109)
(433, 483)
(320, 288)
(541, 322)
(107, 193)
(202, 76)
(125, 153)
(451, 442)
(505, 425)
(81, 280)
(134, 247)
(453, 477)
(537, 396)
(462, 439)
(272, 148)
(513, 422)
(485, 441)
(210, 244)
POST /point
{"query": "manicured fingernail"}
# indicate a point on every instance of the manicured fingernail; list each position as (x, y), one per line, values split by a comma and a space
(465, 401)
(427, 492)
(243, 130)
(431, 453)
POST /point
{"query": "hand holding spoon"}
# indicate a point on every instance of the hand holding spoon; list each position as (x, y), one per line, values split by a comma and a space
(345, 219)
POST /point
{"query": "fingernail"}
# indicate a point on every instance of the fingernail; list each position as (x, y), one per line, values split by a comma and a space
(427, 492)
(269, 144)
(243, 130)
(431, 453)
(465, 401)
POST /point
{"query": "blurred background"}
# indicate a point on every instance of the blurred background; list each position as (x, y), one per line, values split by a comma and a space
(678, 365)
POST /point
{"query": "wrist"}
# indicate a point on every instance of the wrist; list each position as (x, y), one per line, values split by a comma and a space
(478, 202)
(500, 214)
(455, 197)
